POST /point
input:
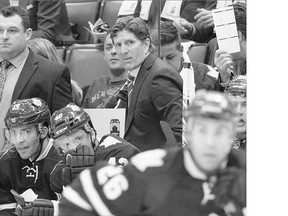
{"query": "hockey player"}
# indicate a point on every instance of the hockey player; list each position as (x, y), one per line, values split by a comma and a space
(199, 180)
(237, 90)
(26, 166)
(73, 132)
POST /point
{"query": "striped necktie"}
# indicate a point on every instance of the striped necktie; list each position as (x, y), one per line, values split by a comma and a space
(5, 64)
(130, 81)
(123, 97)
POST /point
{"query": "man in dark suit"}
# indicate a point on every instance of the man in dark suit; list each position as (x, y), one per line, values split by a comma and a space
(157, 90)
(28, 75)
(48, 19)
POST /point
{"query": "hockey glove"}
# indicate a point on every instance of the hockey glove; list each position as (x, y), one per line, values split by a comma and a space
(76, 161)
(39, 207)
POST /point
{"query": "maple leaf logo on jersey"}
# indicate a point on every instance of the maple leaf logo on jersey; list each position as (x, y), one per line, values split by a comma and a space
(31, 172)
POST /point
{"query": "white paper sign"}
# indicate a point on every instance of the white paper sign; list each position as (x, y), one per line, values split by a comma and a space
(145, 9)
(14, 2)
(226, 29)
(171, 9)
(127, 7)
(107, 121)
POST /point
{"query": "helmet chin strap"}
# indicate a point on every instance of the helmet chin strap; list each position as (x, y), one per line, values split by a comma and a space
(39, 152)
(41, 141)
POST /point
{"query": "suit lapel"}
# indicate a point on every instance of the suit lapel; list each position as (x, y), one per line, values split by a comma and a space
(28, 70)
(143, 72)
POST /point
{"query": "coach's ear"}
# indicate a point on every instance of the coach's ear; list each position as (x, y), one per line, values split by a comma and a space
(28, 33)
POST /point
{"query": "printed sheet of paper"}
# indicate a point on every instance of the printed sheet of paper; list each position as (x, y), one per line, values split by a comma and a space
(226, 29)
(145, 8)
(107, 121)
(127, 7)
(171, 9)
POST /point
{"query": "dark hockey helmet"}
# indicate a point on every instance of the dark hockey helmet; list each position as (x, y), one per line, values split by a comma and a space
(211, 104)
(26, 112)
(68, 120)
(237, 87)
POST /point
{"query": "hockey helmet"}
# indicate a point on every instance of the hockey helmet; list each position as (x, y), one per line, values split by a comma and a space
(211, 104)
(68, 120)
(27, 112)
(237, 87)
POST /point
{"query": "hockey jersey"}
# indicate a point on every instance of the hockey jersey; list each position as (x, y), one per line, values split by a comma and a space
(154, 182)
(31, 180)
(111, 149)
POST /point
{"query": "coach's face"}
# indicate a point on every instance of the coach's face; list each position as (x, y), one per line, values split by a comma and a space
(131, 50)
(13, 36)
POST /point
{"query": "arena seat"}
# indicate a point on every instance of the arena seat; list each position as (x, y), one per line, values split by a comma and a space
(197, 52)
(80, 12)
(86, 63)
(61, 51)
(109, 11)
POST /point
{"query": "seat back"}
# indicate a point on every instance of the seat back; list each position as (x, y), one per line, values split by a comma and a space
(86, 63)
(80, 12)
(109, 11)
(61, 51)
(197, 52)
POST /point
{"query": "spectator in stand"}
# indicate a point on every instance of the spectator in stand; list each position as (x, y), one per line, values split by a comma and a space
(27, 74)
(45, 48)
(103, 90)
(232, 64)
(186, 23)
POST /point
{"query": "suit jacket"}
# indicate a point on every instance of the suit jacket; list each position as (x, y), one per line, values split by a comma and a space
(44, 79)
(157, 95)
(49, 19)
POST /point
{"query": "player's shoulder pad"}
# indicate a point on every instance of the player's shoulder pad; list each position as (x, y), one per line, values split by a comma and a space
(111, 139)
(148, 159)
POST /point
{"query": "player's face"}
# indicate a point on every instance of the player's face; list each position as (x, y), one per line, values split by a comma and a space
(13, 37)
(210, 141)
(111, 56)
(240, 129)
(172, 55)
(71, 141)
(26, 141)
(131, 50)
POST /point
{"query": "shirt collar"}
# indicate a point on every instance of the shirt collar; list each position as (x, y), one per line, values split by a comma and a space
(17, 60)
(135, 72)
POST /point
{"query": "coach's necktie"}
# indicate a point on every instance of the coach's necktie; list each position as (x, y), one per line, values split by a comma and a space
(5, 64)
(124, 94)
(130, 81)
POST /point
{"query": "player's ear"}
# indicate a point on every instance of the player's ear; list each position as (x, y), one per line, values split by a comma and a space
(43, 132)
(93, 135)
